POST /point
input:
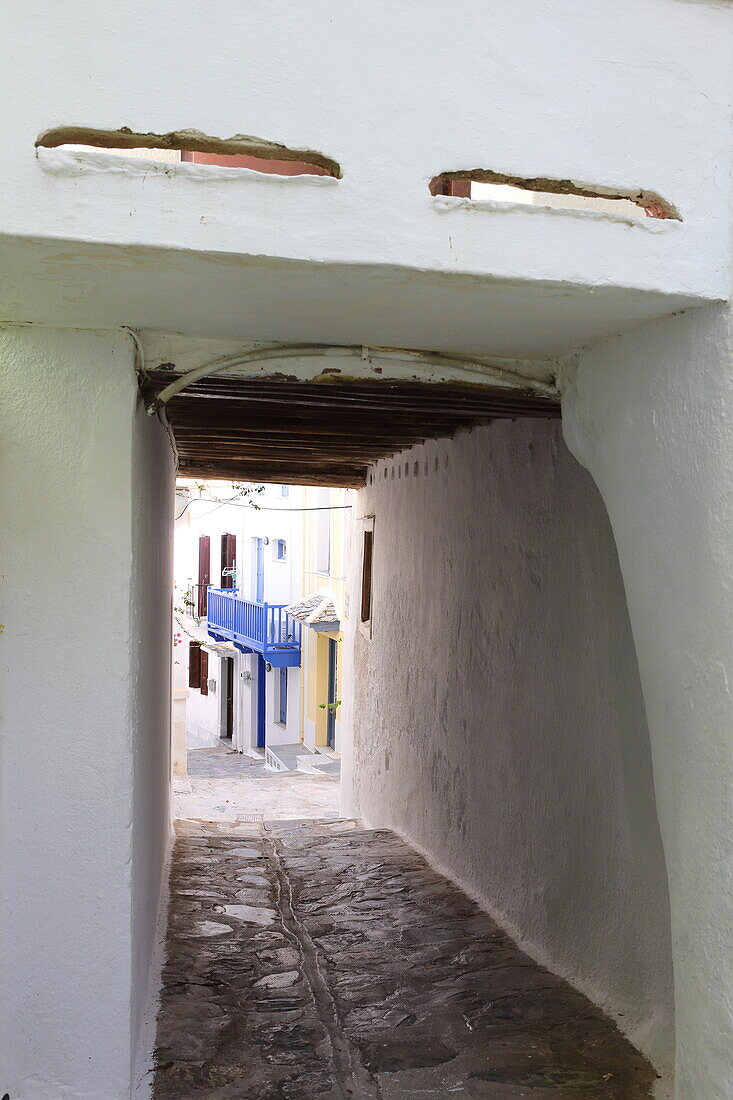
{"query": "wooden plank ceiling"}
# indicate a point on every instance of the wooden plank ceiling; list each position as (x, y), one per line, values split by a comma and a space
(322, 433)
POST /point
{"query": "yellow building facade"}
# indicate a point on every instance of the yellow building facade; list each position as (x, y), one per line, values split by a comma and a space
(324, 571)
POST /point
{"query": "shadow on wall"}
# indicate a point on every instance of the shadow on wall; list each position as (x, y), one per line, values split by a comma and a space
(508, 740)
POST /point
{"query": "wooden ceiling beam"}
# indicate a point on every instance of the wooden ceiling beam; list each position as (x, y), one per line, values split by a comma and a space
(324, 433)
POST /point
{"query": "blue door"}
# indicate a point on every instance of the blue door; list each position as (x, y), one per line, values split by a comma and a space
(261, 687)
(332, 691)
(259, 570)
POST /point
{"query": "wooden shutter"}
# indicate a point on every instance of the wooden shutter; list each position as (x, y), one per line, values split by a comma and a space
(204, 574)
(228, 559)
(204, 672)
(194, 665)
(366, 577)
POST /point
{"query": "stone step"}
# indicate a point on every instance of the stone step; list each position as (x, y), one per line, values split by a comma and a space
(284, 758)
(319, 764)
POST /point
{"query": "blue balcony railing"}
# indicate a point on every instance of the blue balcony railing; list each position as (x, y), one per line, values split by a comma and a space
(254, 627)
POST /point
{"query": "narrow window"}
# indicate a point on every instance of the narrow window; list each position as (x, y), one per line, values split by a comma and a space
(204, 671)
(284, 490)
(279, 550)
(555, 194)
(323, 532)
(258, 569)
(194, 665)
(256, 154)
(228, 561)
(366, 577)
(283, 696)
(204, 575)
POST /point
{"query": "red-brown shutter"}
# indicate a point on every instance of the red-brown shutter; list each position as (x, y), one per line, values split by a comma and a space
(366, 577)
(204, 574)
(228, 559)
(204, 672)
(194, 665)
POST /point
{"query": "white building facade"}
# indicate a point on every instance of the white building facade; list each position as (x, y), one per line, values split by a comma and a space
(251, 545)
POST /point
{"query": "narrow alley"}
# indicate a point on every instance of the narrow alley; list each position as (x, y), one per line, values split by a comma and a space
(321, 959)
(366, 587)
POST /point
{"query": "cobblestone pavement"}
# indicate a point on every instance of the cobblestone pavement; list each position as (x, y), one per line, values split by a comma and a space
(318, 959)
(224, 786)
(225, 763)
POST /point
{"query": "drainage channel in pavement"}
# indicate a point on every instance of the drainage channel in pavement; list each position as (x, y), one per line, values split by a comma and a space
(320, 959)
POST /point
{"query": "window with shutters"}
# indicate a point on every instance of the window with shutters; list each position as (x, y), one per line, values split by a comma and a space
(204, 575)
(194, 665)
(281, 696)
(323, 532)
(228, 561)
(366, 577)
(204, 672)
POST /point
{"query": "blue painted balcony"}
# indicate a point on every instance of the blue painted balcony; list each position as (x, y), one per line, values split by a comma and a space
(254, 627)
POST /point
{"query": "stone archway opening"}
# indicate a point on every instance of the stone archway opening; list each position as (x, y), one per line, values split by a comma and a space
(494, 691)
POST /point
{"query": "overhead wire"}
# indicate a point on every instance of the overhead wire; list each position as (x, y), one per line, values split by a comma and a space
(232, 502)
(142, 373)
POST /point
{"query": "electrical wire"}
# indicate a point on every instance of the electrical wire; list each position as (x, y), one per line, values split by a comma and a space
(264, 507)
(142, 373)
(139, 353)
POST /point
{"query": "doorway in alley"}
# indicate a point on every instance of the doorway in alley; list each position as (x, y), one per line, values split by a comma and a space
(300, 885)
(227, 666)
(333, 700)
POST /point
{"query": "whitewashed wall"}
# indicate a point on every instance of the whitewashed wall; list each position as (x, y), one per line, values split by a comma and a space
(651, 416)
(497, 716)
(85, 684)
(631, 95)
(635, 94)
(153, 481)
(613, 99)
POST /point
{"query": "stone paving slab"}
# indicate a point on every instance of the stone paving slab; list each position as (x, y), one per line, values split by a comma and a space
(319, 959)
(222, 762)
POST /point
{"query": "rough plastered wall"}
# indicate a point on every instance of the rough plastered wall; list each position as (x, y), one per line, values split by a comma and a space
(153, 477)
(80, 713)
(578, 118)
(651, 416)
(498, 720)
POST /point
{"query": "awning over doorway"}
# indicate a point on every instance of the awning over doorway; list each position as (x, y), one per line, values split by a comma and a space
(224, 649)
(318, 611)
